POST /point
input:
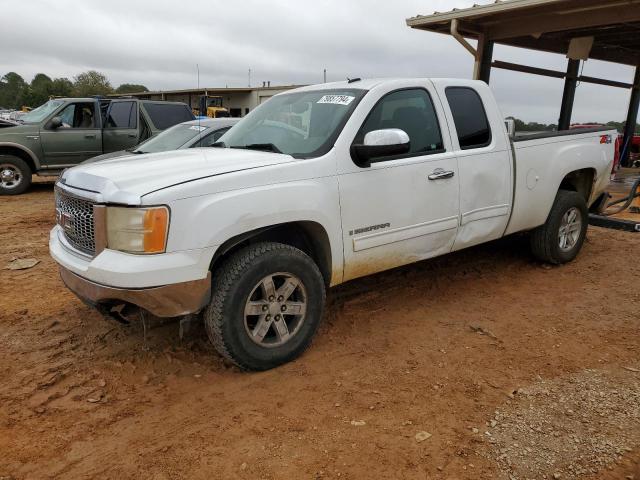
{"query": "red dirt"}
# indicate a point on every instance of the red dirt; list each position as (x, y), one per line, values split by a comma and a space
(84, 397)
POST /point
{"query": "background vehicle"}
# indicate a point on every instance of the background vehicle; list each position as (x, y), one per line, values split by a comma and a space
(315, 187)
(210, 106)
(66, 131)
(7, 123)
(17, 115)
(196, 133)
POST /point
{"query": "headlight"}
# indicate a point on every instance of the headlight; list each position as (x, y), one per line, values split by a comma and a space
(137, 230)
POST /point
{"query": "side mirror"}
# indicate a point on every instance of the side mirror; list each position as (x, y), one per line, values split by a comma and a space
(380, 143)
(56, 122)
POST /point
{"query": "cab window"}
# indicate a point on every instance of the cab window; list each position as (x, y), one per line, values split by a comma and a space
(412, 111)
(122, 115)
(211, 138)
(469, 117)
(78, 115)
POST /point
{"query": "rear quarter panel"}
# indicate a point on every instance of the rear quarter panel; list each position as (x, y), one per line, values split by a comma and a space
(542, 164)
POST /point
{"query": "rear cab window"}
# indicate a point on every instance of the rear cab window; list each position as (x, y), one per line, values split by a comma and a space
(412, 111)
(122, 115)
(165, 115)
(470, 117)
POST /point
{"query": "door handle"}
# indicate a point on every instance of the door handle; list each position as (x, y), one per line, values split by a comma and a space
(440, 174)
(90, 135)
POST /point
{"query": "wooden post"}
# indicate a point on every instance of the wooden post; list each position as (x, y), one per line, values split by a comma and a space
(484, 62)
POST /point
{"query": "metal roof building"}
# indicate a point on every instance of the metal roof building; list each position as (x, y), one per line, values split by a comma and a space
(607, 30)
(239, 100)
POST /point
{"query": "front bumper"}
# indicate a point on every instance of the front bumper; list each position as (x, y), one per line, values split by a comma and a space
(164, 301)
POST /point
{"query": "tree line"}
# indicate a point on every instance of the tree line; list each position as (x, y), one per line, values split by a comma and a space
(15, 92)
(522, 126)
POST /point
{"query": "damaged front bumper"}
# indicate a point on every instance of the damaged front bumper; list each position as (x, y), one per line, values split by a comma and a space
(172, 300)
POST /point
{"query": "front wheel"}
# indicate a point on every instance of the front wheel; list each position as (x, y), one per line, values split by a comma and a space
(560, 239)
(266, 305)
(15, 175)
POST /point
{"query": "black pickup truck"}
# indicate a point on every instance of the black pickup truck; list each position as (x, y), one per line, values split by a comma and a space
(66, 131)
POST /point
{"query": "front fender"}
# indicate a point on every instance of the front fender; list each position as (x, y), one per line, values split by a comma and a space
(28, 151)
(211, 220)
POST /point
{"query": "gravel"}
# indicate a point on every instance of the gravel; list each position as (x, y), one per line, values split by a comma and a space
(569, 427)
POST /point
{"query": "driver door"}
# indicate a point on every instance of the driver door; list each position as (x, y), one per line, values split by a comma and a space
(404, 208)
(78, 139)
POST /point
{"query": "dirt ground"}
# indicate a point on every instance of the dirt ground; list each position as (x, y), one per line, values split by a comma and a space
(483, 364)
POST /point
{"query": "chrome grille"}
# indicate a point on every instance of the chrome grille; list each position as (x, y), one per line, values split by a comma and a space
(75, 216)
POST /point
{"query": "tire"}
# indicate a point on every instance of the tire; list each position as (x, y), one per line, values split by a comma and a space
(547, 242)
(241, 286)
(15, 175)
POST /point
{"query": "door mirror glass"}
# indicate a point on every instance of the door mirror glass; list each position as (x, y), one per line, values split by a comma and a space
(56, 122)
(381, 143)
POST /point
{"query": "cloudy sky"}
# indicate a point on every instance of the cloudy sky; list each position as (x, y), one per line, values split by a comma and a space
(159, 42)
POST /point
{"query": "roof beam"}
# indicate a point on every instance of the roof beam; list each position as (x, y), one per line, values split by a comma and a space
(554, 22)
(516, 67)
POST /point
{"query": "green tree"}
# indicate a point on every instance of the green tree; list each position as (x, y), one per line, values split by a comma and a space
(131, 88)
(62, 87)
(91, 83)
(12, 90)
(39, 91)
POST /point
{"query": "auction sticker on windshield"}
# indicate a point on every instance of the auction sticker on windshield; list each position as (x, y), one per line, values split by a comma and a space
(337, 99)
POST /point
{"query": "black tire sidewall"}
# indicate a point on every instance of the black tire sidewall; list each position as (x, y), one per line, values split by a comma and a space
(250, 354)
(565, 201)
(25, 170)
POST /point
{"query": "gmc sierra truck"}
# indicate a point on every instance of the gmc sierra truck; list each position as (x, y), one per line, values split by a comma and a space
(318, 186)
(66, 131)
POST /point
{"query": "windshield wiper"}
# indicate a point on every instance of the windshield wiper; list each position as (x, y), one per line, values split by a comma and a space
(218, 145)
(267, 147)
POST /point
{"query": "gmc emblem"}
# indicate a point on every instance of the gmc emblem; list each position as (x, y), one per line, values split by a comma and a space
(64, 220)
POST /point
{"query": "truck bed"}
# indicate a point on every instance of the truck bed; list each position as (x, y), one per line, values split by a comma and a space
(543, 160)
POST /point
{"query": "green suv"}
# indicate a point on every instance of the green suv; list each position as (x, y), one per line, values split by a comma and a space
(67, 131)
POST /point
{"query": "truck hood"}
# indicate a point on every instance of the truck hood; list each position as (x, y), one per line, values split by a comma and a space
(17, 129)
(126, 179)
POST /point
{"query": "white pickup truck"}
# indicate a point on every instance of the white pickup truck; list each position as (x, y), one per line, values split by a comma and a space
(318, 186)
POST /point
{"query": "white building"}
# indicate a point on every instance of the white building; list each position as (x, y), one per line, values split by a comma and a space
(239, 100)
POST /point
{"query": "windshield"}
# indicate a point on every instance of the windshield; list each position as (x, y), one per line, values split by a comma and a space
(303, 124)
(214, 102)
(42, 112)
(170, 139)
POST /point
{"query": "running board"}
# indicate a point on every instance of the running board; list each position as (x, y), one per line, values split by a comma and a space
(614, 223)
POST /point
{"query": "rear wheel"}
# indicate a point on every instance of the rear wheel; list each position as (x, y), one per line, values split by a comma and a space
(560, 239)
(266, 305)
(15, 175)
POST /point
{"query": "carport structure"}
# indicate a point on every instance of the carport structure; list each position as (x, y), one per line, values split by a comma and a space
(606, 30)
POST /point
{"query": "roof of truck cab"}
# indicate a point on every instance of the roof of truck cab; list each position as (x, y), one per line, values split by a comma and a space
(363, 84)
(111, 99)
(213, 122)
(370, 83)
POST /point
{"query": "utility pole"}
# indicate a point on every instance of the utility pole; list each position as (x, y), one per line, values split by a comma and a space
(249, 77)
(325, 75)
